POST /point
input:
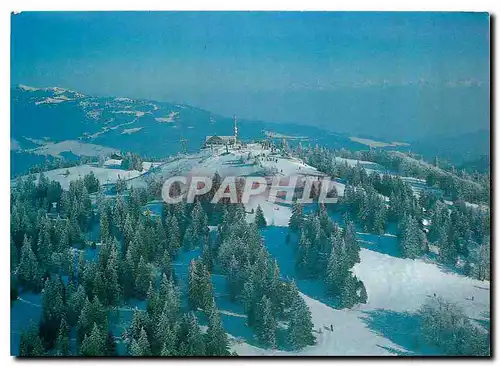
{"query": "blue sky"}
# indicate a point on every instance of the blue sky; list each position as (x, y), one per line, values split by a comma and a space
(314, 68)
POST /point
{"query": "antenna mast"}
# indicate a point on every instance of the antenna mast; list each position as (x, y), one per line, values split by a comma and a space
(235, 129)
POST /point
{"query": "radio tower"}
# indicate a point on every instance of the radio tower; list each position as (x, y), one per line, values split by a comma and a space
(235, 129)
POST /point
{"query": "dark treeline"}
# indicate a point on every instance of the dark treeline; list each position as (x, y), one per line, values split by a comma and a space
(50, 232)
(455, 184)
(324, 251)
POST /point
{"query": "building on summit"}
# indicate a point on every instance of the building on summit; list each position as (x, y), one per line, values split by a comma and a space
(215, 140)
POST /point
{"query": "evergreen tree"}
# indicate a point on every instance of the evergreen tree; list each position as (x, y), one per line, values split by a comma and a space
(199, 286)
(142, 279)
(447, 249)
(28, 272)
(31, 344)
(337, 268)
(94, 343)
(412, 241)
(300, 325)
(166, 332)
(190, 240)
(216, 338)
(191, 339)
(295, 223)
(143, 343)
(349, 292)
(266, 323)
(62, 343)
(260, 220)
(351, 243)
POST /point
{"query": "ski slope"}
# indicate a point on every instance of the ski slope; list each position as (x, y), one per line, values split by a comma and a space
(396, 289)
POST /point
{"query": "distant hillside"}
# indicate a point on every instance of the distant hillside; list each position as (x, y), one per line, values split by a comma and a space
(459, 150)
(43, 117)
(481, 165)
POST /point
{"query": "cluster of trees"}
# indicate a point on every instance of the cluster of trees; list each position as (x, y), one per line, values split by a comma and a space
(132, 161)
(135, 249)
(446, 327)
(253, 278)
(456, 185)
(40, 244)
(462, 234)
(134, 262)
(325, 251)
(368, 206)
(164, 329)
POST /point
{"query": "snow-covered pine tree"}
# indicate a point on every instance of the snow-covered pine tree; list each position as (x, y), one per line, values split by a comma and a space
(142, 279)
(260, 220)
(31, 344)
(62, 342)
(28, 272)
(216, 338)
(412, 240)
(191, 339)
(300, 324)
(94, 343)
(297, 217)
(265, 323)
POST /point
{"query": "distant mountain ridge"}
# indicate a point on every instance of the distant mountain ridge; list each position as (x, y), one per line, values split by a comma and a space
(51, 115)
(54, 114)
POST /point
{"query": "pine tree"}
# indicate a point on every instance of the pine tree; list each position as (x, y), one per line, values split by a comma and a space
(216, 338)
(303, 254)
(260, 220)
(62, 343)
(297, 217)
(412, 241)
(190, 240)
(174, 237)
(140, 321)
(143, 343)
(337, 268)
(93, 344)
(31, 344)
(348, 295)
(233, 280)
(199, 286)
(266, 323)
(166, 334)
(351, 243)
(75, 305)
(142, 279)
(28, 272)
(300, 325)
(361, 292)
(447, 250)
(191, 339)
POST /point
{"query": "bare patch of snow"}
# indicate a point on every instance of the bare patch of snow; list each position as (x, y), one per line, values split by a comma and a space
(73, 146)
(169, 119)
(129, 131)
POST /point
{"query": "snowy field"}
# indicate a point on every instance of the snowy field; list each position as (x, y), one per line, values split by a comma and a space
(76, 147)
(104, 175)
(396, 288)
